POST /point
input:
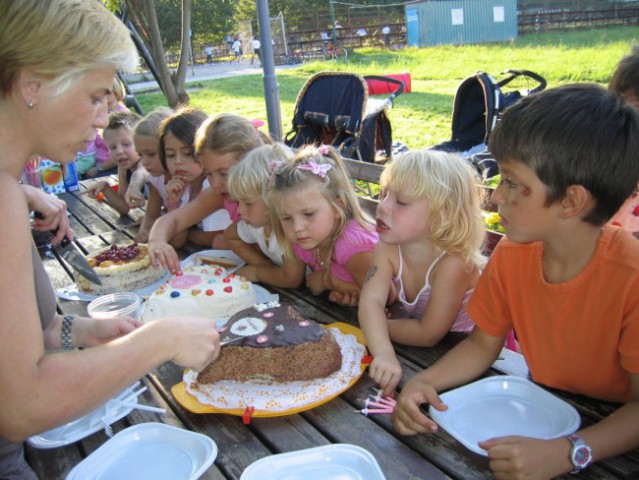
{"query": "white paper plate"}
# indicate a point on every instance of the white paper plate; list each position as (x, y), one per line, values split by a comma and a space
(71, 292)
(82, 427)
(330, 462)
(501, 406)
(149, 451)
(230, 254)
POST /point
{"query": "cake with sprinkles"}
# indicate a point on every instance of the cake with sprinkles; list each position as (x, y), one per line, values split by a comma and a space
(272, 342)
(203, 291)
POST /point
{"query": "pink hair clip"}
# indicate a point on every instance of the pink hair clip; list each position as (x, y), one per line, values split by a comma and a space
(323, 149)
(320, 169)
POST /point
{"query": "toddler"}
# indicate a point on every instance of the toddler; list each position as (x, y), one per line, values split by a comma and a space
(318, 219)
(220, 143)
(146, 137)
(118, 135)
(431, 234)
(253, 237)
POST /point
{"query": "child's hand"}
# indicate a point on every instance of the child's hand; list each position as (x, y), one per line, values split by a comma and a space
(142, 236)
(134, 198)
(408, 419)
(175, 189)
(386, 371)
(315, 282)
(96, 189)
(92, 172)
(161, 253)
(348, 298)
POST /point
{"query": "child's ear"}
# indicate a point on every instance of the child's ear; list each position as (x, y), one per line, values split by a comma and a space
(577, 202)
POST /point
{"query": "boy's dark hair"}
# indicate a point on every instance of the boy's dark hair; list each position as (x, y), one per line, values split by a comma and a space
(182, 125)
(580, 134)
(122, 118)
(625, 78)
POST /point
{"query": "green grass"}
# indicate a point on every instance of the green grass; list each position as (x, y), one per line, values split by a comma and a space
(422, 118)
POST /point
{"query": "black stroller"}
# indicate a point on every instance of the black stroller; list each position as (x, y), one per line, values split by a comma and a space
(333, 108)
(478, 103)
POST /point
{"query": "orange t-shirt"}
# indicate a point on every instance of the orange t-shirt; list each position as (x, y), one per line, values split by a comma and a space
(581, 335)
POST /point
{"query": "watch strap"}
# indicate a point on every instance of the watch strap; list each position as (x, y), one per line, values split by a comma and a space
(66, 341)
(580, 454)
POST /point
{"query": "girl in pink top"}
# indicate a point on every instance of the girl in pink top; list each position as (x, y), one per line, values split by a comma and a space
(318, 219)
(428, 259)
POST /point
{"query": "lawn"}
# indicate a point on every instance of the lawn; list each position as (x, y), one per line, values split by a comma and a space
(422, 118)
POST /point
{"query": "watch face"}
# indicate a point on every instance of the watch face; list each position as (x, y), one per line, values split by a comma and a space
(581, 456)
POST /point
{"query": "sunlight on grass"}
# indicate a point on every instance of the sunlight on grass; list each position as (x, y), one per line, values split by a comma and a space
(423, 118)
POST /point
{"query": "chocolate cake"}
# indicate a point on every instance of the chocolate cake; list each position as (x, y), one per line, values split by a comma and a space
(273, 343)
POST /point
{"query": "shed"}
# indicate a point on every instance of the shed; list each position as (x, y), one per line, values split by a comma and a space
(460, 22)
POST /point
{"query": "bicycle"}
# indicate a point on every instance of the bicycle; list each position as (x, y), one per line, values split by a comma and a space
(334, 51)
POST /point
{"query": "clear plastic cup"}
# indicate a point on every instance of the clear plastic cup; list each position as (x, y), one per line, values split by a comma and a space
(124, 304)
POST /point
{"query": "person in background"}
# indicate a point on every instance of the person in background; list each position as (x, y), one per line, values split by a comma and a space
(431, 234)
(318, 219)
(58, 60)
(566, 281)
(253, 238)
(208, 50)
(146, 136)
(256, 44)
(625, 82)
(116, 97)
(220, 142)
(386, 36)
(119, 137)
(237, 50)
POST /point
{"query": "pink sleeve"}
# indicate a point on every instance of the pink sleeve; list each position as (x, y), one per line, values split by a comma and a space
(102, 154)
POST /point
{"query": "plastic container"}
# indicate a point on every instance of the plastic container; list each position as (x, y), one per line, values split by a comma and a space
(125, 304)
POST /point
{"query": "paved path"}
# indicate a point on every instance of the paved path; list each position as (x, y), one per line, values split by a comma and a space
(208, 71)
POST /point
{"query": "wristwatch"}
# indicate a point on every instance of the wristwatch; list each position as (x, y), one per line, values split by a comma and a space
(581, 454)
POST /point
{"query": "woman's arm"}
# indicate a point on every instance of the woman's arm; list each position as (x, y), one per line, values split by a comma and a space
(450, 280)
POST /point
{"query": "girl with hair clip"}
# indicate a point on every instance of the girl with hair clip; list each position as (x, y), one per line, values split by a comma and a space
(431, 235)
(220, 143)
(318, 219)
(188, 180)
(253, 237)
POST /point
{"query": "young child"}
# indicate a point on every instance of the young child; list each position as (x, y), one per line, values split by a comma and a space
(220, 143)
(146, 137)
(625, 82)
(317, 217)
(567, 282)
(188, 180)
(431, 233)
(253, 237)
(119, 137)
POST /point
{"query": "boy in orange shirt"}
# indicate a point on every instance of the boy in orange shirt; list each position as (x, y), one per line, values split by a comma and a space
(566, 282)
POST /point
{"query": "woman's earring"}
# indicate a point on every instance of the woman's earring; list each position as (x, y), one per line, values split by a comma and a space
(30, 105)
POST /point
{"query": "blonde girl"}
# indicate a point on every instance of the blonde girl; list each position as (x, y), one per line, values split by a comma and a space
(220, 143)
(431, 235)
(146, 137)
(318, 219)
(253, 237)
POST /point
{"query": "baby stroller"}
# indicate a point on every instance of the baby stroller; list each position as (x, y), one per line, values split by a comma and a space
(333, 108)
(478, 103)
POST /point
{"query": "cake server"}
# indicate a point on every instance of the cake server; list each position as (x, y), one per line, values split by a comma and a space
(67, 250)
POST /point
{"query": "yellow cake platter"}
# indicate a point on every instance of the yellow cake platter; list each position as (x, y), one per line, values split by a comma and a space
(192, 404)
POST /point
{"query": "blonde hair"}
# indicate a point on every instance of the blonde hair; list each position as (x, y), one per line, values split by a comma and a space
(61, 40)
(248, 178)
(333, 183)
(451, 187)
(119, 91)
(149, 126)
(227, 133)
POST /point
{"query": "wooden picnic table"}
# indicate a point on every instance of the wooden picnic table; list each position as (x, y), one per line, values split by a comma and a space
(433, 456)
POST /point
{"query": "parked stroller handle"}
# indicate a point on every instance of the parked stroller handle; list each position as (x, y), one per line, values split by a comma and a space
(514, 73)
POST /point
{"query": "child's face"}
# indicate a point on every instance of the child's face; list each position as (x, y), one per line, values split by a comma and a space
(147, 147)
(121, 147)
(216, 165)
(307, 217)
(254, 212)
(521, 200)
(401, 218)
(180, 159)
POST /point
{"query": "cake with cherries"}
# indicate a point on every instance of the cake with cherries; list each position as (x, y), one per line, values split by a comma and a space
(203, 291)
(121, 268)
(271, 342)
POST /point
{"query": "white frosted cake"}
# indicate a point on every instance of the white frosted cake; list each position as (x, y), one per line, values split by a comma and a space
(121, 268)
(201, 290)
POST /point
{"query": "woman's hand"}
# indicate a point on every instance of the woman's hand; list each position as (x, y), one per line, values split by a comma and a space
(195, 339)
(52, 213)
(386, 371)
(163, 254)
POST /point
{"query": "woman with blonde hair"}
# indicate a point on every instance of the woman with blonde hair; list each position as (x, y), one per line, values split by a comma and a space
(58, 61)
(429, 257)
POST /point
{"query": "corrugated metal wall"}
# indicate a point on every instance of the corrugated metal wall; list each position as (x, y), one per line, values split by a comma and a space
(461, 21)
